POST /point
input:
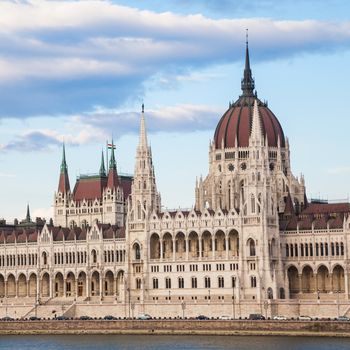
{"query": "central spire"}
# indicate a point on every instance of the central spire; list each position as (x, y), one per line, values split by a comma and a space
(247, 83)
(63, 164)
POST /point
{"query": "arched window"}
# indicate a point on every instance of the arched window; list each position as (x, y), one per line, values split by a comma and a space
(253, 281)
(137, 251)
(194, 282)
(251, 245)
(269, 293)
(138, 283)
(155, 283)
(94, 256)
(207, 282)
(181, 282)
(252, 204)
(221, 283)
(45, 258)
(168, 283)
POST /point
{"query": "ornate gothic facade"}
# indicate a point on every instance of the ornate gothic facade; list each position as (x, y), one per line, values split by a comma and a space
(252, 238)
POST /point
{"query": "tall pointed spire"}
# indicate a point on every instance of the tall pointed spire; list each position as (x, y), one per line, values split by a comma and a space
(63, 164)
(63, 185)
(143, 136)
(102, 167)
(247, 83)
(112, 181)
(28, 214)
(112, 162)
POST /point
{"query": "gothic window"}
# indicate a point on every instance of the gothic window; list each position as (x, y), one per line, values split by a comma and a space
(138, 283)
(252, 203)
(137, 251)
(341, 248)
(221, 283)
(181, 282)
(168, 283)
(94, 256)
(194, 282)
(251, 245)
(207, 282)
(155, 283)
(287, 250)
(253, 281)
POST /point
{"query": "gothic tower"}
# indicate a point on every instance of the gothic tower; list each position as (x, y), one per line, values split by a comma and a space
(144, 200)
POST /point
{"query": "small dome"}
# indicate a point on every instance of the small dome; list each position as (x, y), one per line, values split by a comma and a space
(235, 125)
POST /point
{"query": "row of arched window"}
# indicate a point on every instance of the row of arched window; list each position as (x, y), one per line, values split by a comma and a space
(194, 282)
(111, 256)
(317, 249)
(18, 260)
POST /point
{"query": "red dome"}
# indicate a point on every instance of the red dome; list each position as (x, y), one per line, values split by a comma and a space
(236, 124)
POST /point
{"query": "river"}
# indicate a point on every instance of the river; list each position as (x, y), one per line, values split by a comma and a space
(153, 342)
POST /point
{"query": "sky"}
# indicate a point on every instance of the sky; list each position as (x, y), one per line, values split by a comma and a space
(78, 71)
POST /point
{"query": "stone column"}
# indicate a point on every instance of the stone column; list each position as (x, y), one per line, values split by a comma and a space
(346, 282)
(186, 243)
(161, 249)
(226, 246)
(200, 246)
(16, 288)
(6, 289)
(101, 286)
(300, 283)
(76, 288)
(27, 286)
(87, 285)
(174, 249)
(115, 286)
(64, 287)
(51, 286)
(213, 246)
(38, 286)
(331, 280)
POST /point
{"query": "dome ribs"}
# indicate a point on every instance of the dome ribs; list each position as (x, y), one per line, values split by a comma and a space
(231, 132)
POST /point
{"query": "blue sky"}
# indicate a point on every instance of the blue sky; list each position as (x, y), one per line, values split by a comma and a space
(78, 71)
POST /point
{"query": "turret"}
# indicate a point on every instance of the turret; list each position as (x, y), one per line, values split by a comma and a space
(112, 181)
(63, 184)
(145, 197)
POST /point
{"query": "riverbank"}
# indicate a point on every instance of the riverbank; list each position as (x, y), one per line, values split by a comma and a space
(180, 327)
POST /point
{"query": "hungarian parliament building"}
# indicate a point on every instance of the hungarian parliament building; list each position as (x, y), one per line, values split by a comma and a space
(253, 242)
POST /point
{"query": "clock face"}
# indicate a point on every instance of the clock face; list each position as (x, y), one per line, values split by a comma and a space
(243, 166)
(231, 167)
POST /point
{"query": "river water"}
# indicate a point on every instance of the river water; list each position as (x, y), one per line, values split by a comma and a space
(148, 342)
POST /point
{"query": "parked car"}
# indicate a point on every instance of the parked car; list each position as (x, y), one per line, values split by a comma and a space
(256, 317)
(34, 318)
(343, 318)
(304, 318)
(62, 318)
(84, 318)
(7, 318)
(225, 317)
(280, 318)
(202, 317)
(144, 317)
(109, 317)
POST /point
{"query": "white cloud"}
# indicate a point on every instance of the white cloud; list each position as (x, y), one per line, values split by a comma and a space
(99, 124)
